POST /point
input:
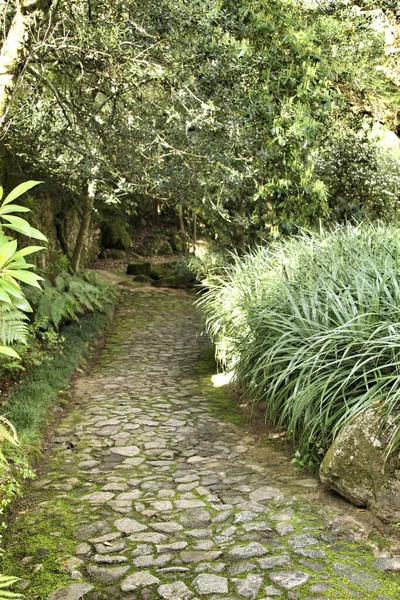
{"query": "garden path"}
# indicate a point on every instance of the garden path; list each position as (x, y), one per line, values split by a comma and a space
(149, 495)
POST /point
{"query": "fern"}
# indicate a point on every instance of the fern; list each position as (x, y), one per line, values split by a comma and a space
(68, 298)
(13, 325)
(6, 582)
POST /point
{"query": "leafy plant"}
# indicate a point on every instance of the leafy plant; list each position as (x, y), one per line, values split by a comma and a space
(14, 269)
(6, 582)
(311, 327)
(67, 298)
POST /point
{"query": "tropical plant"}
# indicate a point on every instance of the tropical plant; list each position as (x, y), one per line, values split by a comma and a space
(14, 270)
(311, 327)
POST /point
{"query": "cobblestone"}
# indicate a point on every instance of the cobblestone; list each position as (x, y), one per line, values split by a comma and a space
(155, 481)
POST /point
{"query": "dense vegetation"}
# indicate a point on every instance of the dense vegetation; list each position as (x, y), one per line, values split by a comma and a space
(241, 122)
(310, 327)
(245, 119)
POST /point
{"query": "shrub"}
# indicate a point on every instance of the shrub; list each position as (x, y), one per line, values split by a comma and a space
(311, 326)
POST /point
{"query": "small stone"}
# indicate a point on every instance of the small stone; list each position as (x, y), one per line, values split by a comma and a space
(175, 591)
(98, 497)
(71, 592)
(284, 528)
(271, 562)
(358, 577)
(250, 586)
(289, 579)
(206, 583)
(106, 574)
(385, 563)
(270, 590)
(128, 526)
(85, 532)
(82, 549)
(138, 580)
(69, 563)
(189, 503)
(109, 559)
(126, 450)
(173, 547)
(320, 588)
(108, 537)
(167, 527)
(194, 556)
(266, 493)
(299, 541)
(249, 551)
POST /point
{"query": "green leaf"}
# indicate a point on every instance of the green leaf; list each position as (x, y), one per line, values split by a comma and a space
(8, 352)
(11, 288)
(7, 251)
(27, 251)
(26, 277)
(4, 297)
(37, 235)
(19, 190)
(19, 225)
(7, 210)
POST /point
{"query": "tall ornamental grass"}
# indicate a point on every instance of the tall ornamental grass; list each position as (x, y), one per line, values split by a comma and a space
(311, 326)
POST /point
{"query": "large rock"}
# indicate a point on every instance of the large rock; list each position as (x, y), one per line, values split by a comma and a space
(173, 281)
(139, 268)
(176, 243)
(356, 468)
(115, 235)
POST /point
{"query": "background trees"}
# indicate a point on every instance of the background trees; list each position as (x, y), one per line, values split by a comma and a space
(223, 111)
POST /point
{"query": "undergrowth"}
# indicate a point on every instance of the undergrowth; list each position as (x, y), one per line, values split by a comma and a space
(311, 326)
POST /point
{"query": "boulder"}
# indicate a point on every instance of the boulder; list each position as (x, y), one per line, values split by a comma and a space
(143, 279)
(176, 242)
(162, 247)
(116, 254)
(173, 281)
(114, 234)
(357, 468)
(139, 268)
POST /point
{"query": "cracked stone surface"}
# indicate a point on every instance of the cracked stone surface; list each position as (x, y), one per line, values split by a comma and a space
(146, 493)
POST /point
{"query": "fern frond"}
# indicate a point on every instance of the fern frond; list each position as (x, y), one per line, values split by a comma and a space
(13, 326)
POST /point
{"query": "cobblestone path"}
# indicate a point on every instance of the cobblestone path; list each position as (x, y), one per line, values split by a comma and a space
(148, 495)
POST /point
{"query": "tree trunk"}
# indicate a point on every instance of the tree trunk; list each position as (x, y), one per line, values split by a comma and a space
(16, 44)
(181, 221)
(84, 227)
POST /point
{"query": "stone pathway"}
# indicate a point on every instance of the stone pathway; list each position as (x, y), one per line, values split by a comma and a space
(148, 495)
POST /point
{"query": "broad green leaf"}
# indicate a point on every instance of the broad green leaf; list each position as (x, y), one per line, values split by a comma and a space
(23, 304)
(27, 251)
(11, 288)
(19, 264)
(7, 251)
(8, 352)
(26, 277)
(1, 192)
(37, 235)
(8, 210)
(4, 297)
(19, 225)
(19, 190)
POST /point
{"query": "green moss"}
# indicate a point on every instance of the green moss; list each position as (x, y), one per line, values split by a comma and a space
(27, 406)
(32, 543)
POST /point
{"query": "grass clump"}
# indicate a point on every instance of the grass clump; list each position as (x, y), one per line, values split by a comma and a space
(311, 326)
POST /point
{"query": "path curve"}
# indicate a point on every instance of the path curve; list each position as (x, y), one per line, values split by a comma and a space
(148, 495)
